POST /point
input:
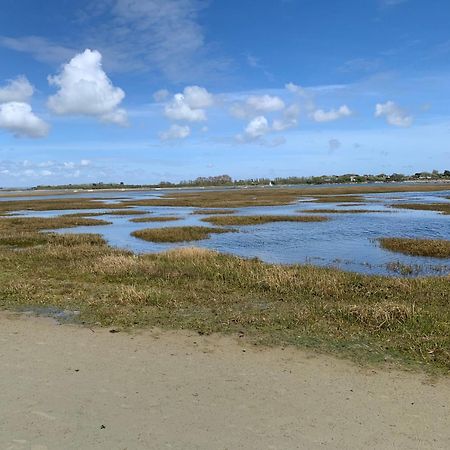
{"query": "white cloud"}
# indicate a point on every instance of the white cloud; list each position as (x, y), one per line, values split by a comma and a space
(288, 120)
(319, 115)
(85, 89)
(257, 127)
(265, 103)
(175, 132)
(394, 115)
(295, 89)
(190, 105)
(19, 119)
(85, 162)
(17, 90)
(197, 97)
(161, 95)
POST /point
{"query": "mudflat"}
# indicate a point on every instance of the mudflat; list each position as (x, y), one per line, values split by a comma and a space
(72, 387)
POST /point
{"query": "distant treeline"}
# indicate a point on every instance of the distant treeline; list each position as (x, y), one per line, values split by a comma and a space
(226, 180)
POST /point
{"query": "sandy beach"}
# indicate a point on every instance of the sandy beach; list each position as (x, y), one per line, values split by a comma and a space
(70, 387)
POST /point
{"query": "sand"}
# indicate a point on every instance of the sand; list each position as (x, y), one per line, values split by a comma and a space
(69, 387)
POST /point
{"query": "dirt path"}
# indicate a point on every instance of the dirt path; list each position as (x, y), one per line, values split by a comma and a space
(67, 387)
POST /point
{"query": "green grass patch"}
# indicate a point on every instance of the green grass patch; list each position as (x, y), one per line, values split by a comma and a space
(437, 248)
(177, 234)
(258, 220)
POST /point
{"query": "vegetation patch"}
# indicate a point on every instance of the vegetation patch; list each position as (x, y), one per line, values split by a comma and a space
(258, 220)
(210, 212)
(23, 231)
(444, 208)
(438, 248)
(177, 234)
(338, 211)
(155, 219)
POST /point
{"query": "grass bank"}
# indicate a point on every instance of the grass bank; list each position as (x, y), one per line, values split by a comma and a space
(444, 208)
(366, 318)
(339, 211)
(438, 248)
(258, 220)
(177, 234)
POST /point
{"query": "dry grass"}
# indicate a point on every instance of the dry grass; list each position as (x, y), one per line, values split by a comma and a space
(338, 211)
(438, 248)
(177, 234)
(444, 208)
(209, 212)
(56, 204)
(155, 219)
(119, 212)
(258, 220)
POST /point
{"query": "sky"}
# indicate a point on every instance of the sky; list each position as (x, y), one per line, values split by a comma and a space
(142, 91)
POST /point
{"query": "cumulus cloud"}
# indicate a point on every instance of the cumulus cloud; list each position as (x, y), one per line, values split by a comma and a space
(19, 119)
(319, 115)
(394, 115)
(190, 105)
(255, 130)
(265, 103)
(85, 89)
(175, 132)
(17, 90)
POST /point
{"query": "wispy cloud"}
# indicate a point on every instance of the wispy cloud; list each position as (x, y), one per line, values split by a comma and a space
(135, 35)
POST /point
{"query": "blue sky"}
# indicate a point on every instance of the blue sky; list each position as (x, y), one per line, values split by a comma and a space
(147, 90)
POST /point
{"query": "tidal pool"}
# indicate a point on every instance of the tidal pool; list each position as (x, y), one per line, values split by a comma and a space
(346, 241)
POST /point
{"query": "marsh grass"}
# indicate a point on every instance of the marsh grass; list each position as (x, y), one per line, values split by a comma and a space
(437, 248)
(56, 204)
(119, 212)
(365, 318)
(177, 234)
(210, 212)
(444, 208)
(339, 211)
(258, 220)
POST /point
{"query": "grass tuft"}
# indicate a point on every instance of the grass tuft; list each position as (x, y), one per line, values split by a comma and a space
(437, 248)
(258, 220)
(443, 208)
(177, 234)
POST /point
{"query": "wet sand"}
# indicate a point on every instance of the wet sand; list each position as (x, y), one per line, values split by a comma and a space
(70, 387)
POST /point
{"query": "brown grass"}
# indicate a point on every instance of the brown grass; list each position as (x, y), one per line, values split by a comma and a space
(338, 211)
(155, 219)
(438, 248)
(210, 212)
(177, 234)
(258, 220)
(444, 208)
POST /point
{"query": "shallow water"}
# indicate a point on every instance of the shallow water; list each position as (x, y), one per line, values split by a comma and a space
(346, 241)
